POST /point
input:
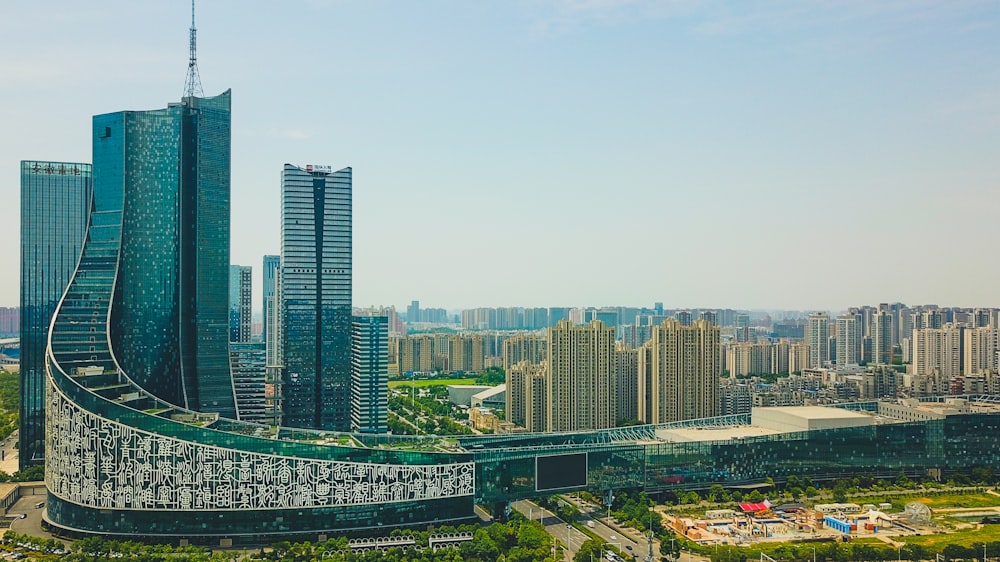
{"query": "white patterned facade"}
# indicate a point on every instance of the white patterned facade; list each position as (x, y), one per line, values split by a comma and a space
(99, 463)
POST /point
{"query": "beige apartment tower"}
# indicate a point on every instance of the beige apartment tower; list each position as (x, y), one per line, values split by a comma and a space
(581, 386)
(683, 372)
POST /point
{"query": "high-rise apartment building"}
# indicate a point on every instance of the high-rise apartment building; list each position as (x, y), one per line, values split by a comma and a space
(882, 337)
(269, 289)
(10, 320)
(748, 358)
(937, 350)
(979, 350)
(240, 302)
(370, 374)
(683, 375)
(316, 297)
(526, 404)
(523, 347)
(848, 339)
(581, 376)
(818, 338)
(55, 206)
(465, 353)
(627, 383)
(172, 167)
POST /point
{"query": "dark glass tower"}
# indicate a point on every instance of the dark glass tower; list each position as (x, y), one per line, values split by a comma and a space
(316, 297)
(55, 204)
(170, 318)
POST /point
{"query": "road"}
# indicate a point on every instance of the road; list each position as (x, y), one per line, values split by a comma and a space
(621, 537)
(559, 529)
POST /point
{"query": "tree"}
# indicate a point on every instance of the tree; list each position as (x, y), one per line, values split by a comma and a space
(840, 491)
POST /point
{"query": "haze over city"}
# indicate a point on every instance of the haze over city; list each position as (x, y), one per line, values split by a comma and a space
(753, 154)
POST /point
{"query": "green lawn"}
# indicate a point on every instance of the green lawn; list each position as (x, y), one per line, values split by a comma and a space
(989, 533)
(432, 382)
(956, 500)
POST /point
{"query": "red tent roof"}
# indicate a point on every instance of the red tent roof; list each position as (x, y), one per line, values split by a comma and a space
(747, 507)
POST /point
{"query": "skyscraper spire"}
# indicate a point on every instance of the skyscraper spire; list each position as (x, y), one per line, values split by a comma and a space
(192, 85)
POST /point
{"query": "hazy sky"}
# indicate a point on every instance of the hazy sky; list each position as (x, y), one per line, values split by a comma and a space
(799, 154)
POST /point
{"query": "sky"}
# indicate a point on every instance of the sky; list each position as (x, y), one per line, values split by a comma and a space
(811, 154)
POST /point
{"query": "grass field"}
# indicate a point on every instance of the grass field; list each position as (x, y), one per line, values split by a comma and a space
(955, 500)
(433, 382)
(989, 533)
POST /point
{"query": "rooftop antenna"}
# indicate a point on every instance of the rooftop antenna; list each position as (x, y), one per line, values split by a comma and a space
(192, 85)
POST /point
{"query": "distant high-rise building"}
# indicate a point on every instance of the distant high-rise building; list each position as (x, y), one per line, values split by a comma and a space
(683, 372)
(413, 312)
(248, 364)
(269, 305)
(848, 339)
(581, 377)
(684, 317)
(709, 316)
(10, 320)
(240, 302)
(818, 338)
(55, 206)
(369, 374)
(316, 297)
(882, 337)
(742, 327)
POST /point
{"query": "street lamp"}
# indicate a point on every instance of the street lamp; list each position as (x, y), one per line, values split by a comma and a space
(814, 554)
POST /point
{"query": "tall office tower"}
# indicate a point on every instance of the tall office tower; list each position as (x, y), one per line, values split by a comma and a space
(413, 312)
(882, 336)
(316, 297)
(249, 372)
(627, 382)
(937, 350)
(979, 350)
(848, 339)
(240, 302)
(164, 175)
(684, 317)
(558, 314)
(581, 377)
(268, 290)
(742, 327)
(523, 347)
(55, 204)
(370, 374)
(817, 336)
(684, 371)
(709, 316)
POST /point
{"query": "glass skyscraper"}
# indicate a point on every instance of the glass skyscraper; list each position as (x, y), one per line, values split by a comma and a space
(170, 316)
(55, 204)
(370, 374)
(316, 297)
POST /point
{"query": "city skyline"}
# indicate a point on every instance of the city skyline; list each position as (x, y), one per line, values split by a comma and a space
(594, 127)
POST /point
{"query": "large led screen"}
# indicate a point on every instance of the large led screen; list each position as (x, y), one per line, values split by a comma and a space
(556, 472)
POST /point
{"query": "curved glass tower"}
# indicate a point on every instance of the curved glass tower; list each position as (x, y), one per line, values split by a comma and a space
(140, 411)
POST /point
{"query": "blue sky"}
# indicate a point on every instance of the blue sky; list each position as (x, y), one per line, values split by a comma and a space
(752, 154)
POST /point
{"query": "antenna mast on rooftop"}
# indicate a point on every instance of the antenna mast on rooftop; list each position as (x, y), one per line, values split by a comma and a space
(192, 85)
